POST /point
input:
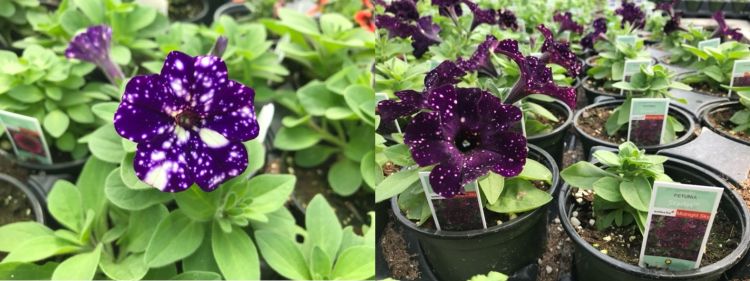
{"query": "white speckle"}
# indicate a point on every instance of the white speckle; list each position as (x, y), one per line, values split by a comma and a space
(212, 138)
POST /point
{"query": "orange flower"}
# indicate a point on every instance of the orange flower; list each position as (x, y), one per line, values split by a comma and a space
(364, 18)
(367, 4)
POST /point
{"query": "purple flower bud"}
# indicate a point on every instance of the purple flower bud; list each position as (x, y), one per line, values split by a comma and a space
(600, 28)
(723, 30)
(93, 46)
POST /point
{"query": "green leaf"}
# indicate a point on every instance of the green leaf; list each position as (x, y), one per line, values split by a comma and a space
(26, 94)
(39, 248)
(298, 21)
(81, 113)
(492, 186)
(320, 264)
(26, 271)
(315, 98)
(608, 188)
(79, 267)
(355, 263)
(283, 255)
(344, 177)
(14, 234)
(72, 21)
(197, 275)
(56, 123)
(105, 110)
(584, 174)
(176, 237)
(637, 193)
(106, 144)
(332, 23)
(235, 254)
(371, 172)
(66, 206)
(520, 196)
(323, 226)
(296, 138)
(197, 204)
(534, 170)
(399, 154)
(395, 184)
(313, 156)
(607, 158)
(127, 174)
(203, 258)
(90, 183)
(120, 55)
(94, 10)
(268, 193)
(141, 226)
(130, 199)
(131, 267)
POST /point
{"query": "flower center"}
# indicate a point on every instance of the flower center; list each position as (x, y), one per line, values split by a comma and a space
(188, 119)
(467, 141)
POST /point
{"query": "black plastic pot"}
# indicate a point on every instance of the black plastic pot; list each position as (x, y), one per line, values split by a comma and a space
(714, 5)
(693, 5)
(721, 106)
(552, 141)
(592, 93)
(508, 247)
(590, 264)
(232, 9)
(681, 76)
(70, 169)
(589, 141)
(36, 199)
(200, 17)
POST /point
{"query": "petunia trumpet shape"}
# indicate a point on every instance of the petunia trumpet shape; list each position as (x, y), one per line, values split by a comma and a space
(559, 53)
(631, 14)
(468, 133)
(93, 46)
(723, 31)
(189, 122)
(567, 23)
(600, 29)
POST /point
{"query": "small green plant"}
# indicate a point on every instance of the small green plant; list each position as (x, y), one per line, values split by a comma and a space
(13, 19)
(650, 82)
(492, 276)
(621, 184)
(741, 119)
(52, 89)
(715, 64)
(611, 62)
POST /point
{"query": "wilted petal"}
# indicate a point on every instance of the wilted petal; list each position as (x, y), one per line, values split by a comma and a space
(164, 165)
(213, 166)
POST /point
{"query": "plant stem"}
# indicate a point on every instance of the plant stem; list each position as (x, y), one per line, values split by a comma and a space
(326, 135)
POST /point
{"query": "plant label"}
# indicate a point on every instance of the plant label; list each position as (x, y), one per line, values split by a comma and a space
(740, 75)
(713, 43)
(461, 212)
(381, 97)
(27, 137)
(648, 117)
(679, 220)
(522, 124)
(632, 67)
(612, 4)
(626, 39)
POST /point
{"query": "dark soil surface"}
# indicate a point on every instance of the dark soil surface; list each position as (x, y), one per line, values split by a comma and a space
(624, 243)
(720, 121)
(592, 122)
(185, 9)
(706, 89)
(558, 258)
(402, 264)
(14, 204)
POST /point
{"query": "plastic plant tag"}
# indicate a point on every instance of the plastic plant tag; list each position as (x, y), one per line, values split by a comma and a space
(612, 4)
(27, 137)
(713, 43)
(461, 212)
(631, 67)
(648, 117)
(381, 97)
(679, 220)
(626, 39)
(521, 125)
(740, 75)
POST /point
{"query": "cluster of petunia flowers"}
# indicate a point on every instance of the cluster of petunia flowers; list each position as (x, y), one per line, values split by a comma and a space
(467, 132)
(189, 121)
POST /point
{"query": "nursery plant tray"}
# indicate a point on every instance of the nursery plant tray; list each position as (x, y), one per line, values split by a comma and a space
(695, 101)
(716, 153)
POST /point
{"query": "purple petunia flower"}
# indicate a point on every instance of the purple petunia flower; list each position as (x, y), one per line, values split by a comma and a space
(673, 24)
(423, 32)
(93, 46)
(536, 77)
(567, 23)
(480, 15)
(631, 14)
(507, 19)
(666, 6)
(404, 9)
(559, 53)
(723, 30)
(600, 29)
(189, 123)
(467, 135)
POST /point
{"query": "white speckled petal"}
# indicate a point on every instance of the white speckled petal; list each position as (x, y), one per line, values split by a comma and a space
(177, 73)
(232, 114)
(213, 166)
(142, 115)
(163, 165)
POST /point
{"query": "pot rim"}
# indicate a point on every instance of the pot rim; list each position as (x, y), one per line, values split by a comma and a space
(45, 167)
(711, 108)
(202, 14)
(681, 76)
(36, 204)
(725, 263)
(225, 8)
(595, 91)
(564, 126)
(689, 130)
(478, 233)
